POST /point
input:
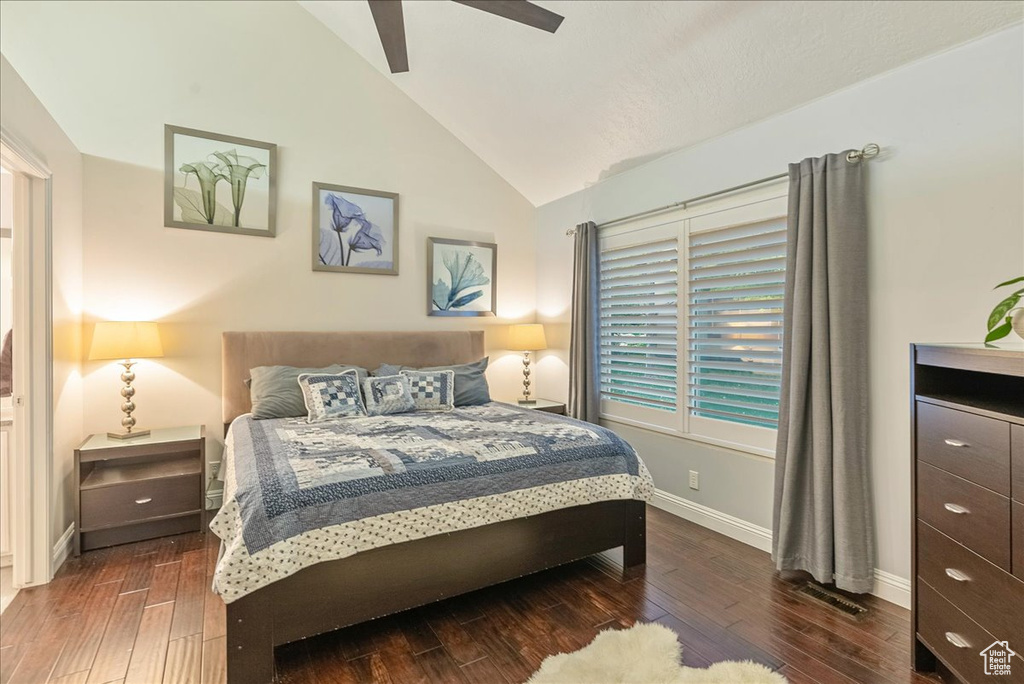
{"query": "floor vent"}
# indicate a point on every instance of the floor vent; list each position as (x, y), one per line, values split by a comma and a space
(832, 599)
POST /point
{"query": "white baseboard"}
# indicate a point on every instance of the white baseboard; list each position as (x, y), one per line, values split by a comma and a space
(723, 523)
(62, 549)
(887, 586)
(892, 588)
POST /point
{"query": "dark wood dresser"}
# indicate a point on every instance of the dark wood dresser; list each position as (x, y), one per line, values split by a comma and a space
(968, 497)
(139, 488)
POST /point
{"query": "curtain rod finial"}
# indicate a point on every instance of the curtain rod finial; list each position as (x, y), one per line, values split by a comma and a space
(867, 152)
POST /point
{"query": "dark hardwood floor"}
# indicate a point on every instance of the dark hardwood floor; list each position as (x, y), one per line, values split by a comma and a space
(144, 614)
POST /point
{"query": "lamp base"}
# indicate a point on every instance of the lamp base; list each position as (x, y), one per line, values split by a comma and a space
(128, 435)
(527, 402)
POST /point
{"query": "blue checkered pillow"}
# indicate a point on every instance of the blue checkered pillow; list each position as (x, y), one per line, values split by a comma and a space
(331, 396)
(389, 394)
(432, 390)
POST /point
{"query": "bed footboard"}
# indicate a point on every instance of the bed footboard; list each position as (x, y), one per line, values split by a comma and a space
(336, 594)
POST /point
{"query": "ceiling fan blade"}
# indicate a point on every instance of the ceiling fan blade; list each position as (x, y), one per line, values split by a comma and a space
(519, 10)
(387, 15)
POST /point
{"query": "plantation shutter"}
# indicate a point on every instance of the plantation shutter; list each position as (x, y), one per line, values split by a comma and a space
(639, 324)
(735, 292)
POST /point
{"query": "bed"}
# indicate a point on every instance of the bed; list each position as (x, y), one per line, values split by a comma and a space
(335, 541)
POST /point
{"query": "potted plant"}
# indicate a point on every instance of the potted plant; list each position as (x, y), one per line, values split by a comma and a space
(1007, 315)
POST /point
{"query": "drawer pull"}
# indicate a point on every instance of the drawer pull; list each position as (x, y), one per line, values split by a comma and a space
(955, 574)
(956, 443)
(956, 508)
(147, 500)
(957, 640)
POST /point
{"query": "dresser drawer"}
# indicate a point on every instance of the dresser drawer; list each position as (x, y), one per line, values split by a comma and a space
(1017, 458)
(131, 501)
(989, 596)
(975, 516)
(1018, 539)
(971, 446)
(952, 636)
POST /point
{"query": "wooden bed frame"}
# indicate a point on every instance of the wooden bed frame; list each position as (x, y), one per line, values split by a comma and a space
(379, 582)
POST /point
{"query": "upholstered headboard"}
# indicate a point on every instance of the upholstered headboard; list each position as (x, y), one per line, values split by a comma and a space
(241, 351)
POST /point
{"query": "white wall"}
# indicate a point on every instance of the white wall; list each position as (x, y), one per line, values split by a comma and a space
(267, 71)
(25, 118)
(946, 225)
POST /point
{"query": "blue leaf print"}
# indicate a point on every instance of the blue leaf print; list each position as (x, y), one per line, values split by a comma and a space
(466, 299)
(465, 272)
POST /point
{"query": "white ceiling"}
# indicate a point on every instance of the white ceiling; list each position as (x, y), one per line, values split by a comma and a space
(621, 82)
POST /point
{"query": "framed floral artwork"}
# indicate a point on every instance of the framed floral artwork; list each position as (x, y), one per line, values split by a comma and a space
(354, 230)
(461, 278)
(219, 182)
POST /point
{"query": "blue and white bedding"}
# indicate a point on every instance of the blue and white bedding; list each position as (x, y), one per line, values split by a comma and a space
(299, 493)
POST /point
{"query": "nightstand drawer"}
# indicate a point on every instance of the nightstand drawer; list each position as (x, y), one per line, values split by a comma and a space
(974, 447)
(985, 593)
(975, 516)
(134, 501)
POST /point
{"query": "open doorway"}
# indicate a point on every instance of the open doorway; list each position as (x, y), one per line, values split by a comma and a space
(7, 437)
(26, 386)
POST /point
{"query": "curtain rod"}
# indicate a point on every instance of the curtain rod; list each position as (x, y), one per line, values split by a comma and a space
(867, 152)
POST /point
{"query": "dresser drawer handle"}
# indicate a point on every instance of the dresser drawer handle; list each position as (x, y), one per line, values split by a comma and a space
(955, 574)
(957, 640)
(956, 443)
(148, 499)
(956, 508)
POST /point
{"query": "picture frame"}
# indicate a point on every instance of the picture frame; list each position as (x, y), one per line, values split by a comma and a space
(355, 230)
(219, 183)
(473, 266)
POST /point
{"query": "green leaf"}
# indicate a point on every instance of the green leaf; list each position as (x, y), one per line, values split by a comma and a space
(1002, 308)
(1000, 332)
(191, 204)
(1009, 282)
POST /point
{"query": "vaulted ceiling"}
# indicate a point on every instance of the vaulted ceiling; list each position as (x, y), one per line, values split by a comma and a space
(621, 83)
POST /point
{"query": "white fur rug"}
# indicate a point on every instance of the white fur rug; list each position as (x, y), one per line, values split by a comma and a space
(643, 654)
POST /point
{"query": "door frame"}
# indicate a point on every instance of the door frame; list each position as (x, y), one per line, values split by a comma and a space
(31, 448)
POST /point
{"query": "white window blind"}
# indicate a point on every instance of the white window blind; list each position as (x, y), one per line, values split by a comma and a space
(735, 293)
(639, 324)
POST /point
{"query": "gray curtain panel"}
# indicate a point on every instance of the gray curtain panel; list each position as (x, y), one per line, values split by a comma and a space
(584, 389)
(822, 520)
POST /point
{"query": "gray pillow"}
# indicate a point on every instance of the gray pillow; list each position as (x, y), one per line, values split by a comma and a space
(470, 381)
(275, 392)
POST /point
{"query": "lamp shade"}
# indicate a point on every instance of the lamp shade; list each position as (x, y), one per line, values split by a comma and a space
(125, 340)
(527, 337)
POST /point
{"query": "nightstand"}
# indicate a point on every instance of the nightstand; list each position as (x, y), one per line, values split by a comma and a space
(546, 406)
(140, 488)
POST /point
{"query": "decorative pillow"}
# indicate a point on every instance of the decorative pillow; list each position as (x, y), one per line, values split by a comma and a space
(388, 394)
(470, 380)
(331, 395)
(275, 392)
(432, 390)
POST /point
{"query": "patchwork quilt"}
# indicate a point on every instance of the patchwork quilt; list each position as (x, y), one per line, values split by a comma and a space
(299, 493)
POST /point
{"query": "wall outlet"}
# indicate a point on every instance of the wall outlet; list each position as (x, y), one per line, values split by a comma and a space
(214, 469)
(694, 479)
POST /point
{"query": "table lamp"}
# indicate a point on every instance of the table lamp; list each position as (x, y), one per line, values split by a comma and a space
(527, 337)
(126, 341)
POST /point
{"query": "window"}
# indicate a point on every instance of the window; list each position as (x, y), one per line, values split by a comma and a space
(639, 324)
(707, 364)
